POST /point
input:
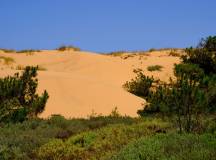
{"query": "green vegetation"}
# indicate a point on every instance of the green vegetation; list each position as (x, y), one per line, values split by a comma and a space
(139, 86)
(154, 68)
(170, 147)
(190, 97)
(67, 48)
(152, 50)
(18, 97)
(7, 60)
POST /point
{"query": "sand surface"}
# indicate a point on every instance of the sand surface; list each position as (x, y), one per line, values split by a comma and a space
(80, 83)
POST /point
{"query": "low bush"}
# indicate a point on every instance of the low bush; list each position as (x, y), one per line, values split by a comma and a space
(152, 50)
(141, 85)
(67, 48)
(170, 146)
(154, 68)
(117, 53)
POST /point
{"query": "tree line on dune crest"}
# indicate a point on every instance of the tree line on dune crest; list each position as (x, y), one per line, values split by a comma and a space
(190, 96)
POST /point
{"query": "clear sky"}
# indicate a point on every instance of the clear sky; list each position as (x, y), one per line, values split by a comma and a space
(105, 25)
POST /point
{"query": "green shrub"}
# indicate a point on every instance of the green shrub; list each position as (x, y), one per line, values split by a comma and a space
(154, 68)
(204, 55)
(139, 86)
(18, 98)
(67, 48)
(152, 50)
(182, 98)
(170, 146)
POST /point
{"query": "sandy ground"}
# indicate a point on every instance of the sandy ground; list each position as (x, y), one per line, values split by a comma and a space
(80, 83)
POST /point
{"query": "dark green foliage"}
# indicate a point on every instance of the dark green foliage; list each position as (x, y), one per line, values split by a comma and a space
(152, 50)
(209, 43)
(204, 55)
(182, 98)
(18, 98)
(191, 95)
(170, 147)
(141, 85)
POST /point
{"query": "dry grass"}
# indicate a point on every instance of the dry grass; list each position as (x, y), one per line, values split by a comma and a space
(7, 60)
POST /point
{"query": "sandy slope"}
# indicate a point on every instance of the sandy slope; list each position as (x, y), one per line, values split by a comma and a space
(80, 82)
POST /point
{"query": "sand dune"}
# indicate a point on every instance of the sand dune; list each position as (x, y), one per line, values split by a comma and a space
(82, 82)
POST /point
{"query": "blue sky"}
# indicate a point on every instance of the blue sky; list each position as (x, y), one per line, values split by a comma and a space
(105, 25)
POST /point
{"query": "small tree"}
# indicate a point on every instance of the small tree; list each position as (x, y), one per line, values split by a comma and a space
(139, 86)
(18, 98)
(204, 55)
(182, 99)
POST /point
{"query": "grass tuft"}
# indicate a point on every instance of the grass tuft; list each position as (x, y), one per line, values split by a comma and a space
(154, 68)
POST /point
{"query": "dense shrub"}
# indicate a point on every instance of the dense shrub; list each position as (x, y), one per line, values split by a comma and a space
(18, 98)
(182, 98)
(170, 146)
(204, 55)
(141, 85)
